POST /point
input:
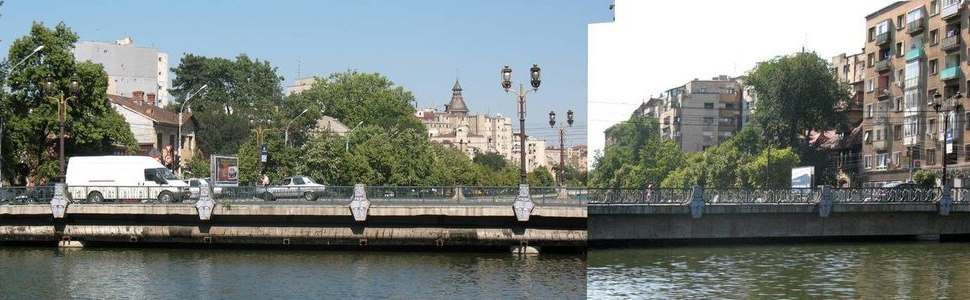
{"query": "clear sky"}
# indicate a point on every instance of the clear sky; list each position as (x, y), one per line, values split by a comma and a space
(657, 45)
(422, 45)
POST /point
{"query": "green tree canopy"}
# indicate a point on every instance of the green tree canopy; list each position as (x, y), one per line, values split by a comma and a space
(31, 113)
(796, 93)
(353, 97)
(493, 161)
(637, 156)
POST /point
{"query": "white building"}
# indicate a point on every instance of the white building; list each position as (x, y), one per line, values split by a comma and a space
(300, 85)
(470, 133)
(535, 155)
(130, 69)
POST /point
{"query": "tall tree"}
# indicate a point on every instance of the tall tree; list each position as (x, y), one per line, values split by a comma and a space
(636, 157)
(353, 97)
(31, 113)
(796, 93)
(242, 93)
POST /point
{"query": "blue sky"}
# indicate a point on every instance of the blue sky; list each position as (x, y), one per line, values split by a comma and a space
(422, 45)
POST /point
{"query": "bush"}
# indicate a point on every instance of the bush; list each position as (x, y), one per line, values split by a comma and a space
(925, 178)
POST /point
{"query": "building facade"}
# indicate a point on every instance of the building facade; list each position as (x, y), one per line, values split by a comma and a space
(300, 85)
(699, 114)
(575, 157)
(535, 155)
(914, 59)
(471, 133)
(130, 69)
(154, 128)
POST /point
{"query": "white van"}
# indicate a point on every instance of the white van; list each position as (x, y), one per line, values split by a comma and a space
(99, 178)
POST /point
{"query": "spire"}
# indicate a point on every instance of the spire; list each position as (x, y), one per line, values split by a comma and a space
(457, 103)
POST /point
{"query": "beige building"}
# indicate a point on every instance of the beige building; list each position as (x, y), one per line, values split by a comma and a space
(155, 128)
(300, 85)
(699, 114)
(914, 51)
(470, 133)
(575, 157)
(535, 155)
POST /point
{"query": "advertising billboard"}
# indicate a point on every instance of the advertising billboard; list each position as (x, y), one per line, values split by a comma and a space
(801, 177)
(224, 170)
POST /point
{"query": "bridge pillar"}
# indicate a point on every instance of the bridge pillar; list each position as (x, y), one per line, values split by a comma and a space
(59, 201)
(359, 203)
(946, 201)
(205, 205)
(523, 204)
(697, 202)
(825, 202)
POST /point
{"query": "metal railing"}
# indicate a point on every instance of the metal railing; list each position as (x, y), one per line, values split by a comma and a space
(26, 195)
(886, 195)
(769, 196)
(638, 196)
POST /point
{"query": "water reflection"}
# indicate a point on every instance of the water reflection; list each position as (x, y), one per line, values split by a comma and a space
(909, 270)
(31, 273)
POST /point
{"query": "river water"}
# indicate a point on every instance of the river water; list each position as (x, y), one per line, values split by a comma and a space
(872, 271)
(92, 273)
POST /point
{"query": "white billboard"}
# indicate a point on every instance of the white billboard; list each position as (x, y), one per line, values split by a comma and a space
(801, 177)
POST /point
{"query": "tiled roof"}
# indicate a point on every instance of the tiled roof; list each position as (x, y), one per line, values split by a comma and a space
(157, 114)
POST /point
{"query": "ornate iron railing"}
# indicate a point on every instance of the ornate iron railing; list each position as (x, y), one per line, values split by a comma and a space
(26, 195)
(750, 196)
(638, 196)
(885, 195)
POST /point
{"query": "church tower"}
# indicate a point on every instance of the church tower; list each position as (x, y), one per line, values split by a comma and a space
(457, 103)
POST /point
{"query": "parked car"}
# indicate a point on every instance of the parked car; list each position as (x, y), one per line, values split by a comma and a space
(292, 188)
(196, 184)
(101, 178)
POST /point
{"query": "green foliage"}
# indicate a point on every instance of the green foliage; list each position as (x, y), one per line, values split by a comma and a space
(92, 127)
(541, 177)
(796, 93)
(637, 157)
(925, 178)
(493, 161)
(353, 97)
(197, 167)
(771, 169)
(241, 94)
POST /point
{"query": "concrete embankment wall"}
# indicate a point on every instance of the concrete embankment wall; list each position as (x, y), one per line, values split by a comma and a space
(293, 224)
(726, 221)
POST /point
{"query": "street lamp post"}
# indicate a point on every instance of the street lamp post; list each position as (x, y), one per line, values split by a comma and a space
(347, 139)
(61, 111)
(534, 74)
(3, 84)
(178, 146)
(286, 129)
(562, 144)
(940, 107)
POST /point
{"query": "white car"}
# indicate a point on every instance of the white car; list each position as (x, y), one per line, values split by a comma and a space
(196, 184)
(291, 188)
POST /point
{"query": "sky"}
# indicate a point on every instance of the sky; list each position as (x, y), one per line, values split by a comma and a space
(421, 45)
(657, 45)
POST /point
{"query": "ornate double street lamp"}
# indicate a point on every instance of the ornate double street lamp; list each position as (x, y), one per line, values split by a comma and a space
(946, 109)
(561, 174)
(54, 94)
(523, 204)
(6, 76)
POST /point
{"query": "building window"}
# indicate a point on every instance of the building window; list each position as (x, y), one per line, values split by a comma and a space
(868, 161)
(934, 37)
(966, 155)
(708, 105)
(934, 7)
(867, 137)
(899, 49)
(871, 59)
(868, 110)
(930, 157)
(872, 34)
(899, 104)
(896, 158)
(934, 66)
(899, 22)
(898, 132)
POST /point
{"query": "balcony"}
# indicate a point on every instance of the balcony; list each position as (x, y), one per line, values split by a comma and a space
(883, 93)
(950, 43)
(883, 65)
(914, 54)
(883, 39)
(883, 144)
(915, 27)
(950, 73)
(951, 11)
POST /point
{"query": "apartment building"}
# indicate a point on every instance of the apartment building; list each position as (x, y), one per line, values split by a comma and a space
(914, 59)
(701, 113)
(131, 70)
(471, 133)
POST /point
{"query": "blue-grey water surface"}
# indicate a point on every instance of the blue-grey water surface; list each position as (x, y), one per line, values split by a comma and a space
(834, 271)
(100, 273)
